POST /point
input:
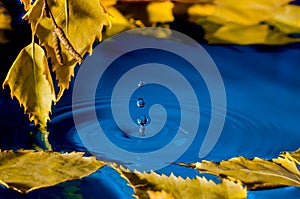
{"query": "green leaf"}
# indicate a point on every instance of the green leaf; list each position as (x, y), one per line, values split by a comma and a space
(152, 185)
(27, 170)
(85, 22)
(255, 174)
(30, 82)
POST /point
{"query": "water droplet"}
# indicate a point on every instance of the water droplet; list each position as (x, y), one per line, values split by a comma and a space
(142, 130)
(141, 84)
(140, 102)
(142, 120)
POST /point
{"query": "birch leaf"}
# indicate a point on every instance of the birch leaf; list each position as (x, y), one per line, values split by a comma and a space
(119, 22)
(287, 19)
(276, 37)
(201, 10)
(85, 24)
(249, 12)
(27, 4)
(293, 156)
(30, 82)
(153, 186)
(255, 174)
(5, 20)
(160, 12)
(242, 35)
(27, 170)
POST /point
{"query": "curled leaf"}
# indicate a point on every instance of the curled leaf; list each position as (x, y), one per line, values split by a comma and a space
(57, 49)
(66, 43)
(152, 185)
(30, 82)
(27, 170)
(86, 20)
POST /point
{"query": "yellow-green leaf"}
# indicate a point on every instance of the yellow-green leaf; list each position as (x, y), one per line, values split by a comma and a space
(256, 173)
(30, 82)
(86, 20)
(27, 170)
(152, 185)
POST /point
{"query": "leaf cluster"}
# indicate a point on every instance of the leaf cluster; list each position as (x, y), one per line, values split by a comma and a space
(25, 170)
(62, 43)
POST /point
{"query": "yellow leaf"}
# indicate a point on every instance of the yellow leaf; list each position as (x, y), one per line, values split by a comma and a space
(276, 37)
(293, 156)
(86, 20)
(256, 173)
(159, 195)
(153, 186)
(27, 170)
(286, 163)
(108, 3)
(27, 4)
(201, 10)
(5, 18)
(160, 12)
(287, 19)
(242, 35)
(247, 12)
(119, 22)
(30, 82)
(249, 22)
(236, 34)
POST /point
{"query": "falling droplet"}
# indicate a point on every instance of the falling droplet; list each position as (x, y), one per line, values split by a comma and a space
(140, 102)
(142, 130)
(141, 84)
(142, 120)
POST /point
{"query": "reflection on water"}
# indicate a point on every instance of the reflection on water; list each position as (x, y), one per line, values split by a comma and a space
(262, 87)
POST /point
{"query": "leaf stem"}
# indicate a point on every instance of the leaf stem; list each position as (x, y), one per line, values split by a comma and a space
(67, 15)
